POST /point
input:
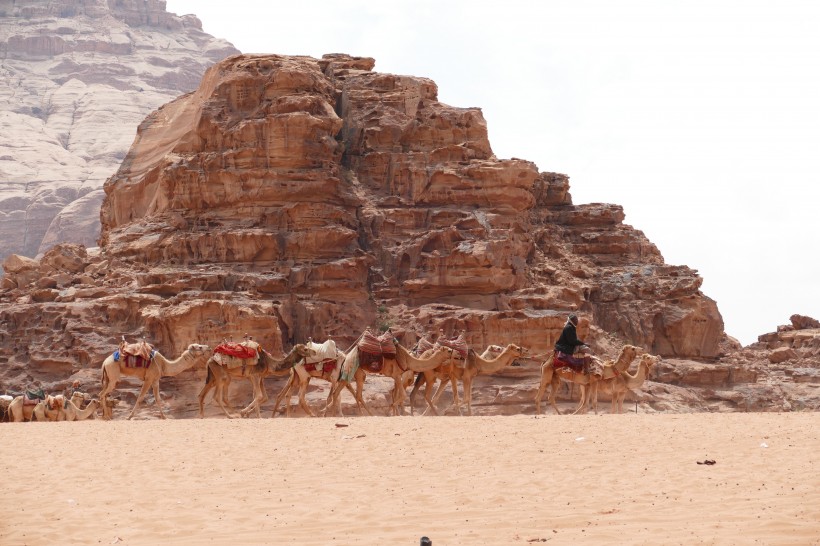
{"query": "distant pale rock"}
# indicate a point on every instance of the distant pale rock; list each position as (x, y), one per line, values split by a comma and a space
(76, 80)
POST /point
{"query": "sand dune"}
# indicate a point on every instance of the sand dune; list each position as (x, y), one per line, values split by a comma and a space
(616, 479)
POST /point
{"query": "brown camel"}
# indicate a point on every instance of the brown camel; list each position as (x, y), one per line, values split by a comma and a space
(326, 365)
(551, 376)
(113, 370)
(44, 410)
(72, 412)
(255, 370)
(473, 366)
(399, 368)
(618, 385)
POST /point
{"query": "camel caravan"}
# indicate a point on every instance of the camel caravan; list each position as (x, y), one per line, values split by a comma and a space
(430, 366)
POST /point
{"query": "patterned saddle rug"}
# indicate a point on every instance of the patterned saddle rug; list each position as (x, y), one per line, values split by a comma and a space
(374, 349)
(423, 346)
(135, 355)
(459, 345)
(377, 345)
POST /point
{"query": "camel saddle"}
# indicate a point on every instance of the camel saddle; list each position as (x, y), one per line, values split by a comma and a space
(246, 349)
(325, 366)
(458, 344)
(32, 398)
(141, 349)
(423, 346)
(591, 366)
(383, 345)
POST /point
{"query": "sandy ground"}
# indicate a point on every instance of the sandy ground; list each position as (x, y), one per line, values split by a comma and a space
(607, 479)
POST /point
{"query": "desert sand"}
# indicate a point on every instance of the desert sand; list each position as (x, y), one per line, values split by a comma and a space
(606, 479)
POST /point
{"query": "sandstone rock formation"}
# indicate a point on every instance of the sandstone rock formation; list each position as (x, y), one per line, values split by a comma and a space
(76, 79)
(293, 197)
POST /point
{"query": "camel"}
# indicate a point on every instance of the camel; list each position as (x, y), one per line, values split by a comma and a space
(325, 352)
(473, 366)
(397, 368)
(549, 376)
(72, 411)
(113, 370)
(618, 385)
(255, 370)
(44, 410)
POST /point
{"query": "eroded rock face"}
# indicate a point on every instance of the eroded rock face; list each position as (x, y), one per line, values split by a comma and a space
(76, 80)
(293, 197)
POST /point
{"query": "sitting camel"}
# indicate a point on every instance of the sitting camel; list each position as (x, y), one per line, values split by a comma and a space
(552, 376)
(621, 383)
(72, 411)
(399, 368)
(256, 370)
(473, 366)
(42, 410)
(325, 364)
(113, 370)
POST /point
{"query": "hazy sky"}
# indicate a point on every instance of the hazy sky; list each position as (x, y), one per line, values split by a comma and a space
(701, 118)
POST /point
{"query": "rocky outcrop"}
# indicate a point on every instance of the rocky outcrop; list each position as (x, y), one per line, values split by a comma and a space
(77, 78)
(293, 197)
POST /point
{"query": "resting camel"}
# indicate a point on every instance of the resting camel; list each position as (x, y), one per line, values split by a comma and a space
(113, 370)
(473, 366)
(622, 383)
(44, 410)
(72, 411)
(396, 368)
(256, 370)
(325, 352)
(549, 376)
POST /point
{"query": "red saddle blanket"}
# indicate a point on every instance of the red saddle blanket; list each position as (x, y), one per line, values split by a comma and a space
(236, 349)
(563, 360)
(377, 345)
(324, 366)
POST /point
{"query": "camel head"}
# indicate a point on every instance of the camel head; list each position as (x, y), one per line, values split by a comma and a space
(303, 351)
(198, 348)
(649, 360)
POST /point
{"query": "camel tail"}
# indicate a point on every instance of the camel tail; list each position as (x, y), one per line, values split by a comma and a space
(416, 384)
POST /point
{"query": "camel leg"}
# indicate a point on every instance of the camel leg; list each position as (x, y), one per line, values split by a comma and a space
(209, 384)
(143, 391)
(303, 386)
(429, 389)
(419, 378)
(456, 400)
(555, 384)
(432, 404)
(255, 401)
(467, 381)
(284, 392)
(542, 387)
(157, 399)
(359, 377)
(219, 394)
(108, 385)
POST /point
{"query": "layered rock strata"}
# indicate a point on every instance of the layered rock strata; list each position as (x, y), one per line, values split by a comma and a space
(293, 197)
(76, 78)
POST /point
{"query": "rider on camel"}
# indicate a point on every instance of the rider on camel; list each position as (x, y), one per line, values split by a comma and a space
(569, 344)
